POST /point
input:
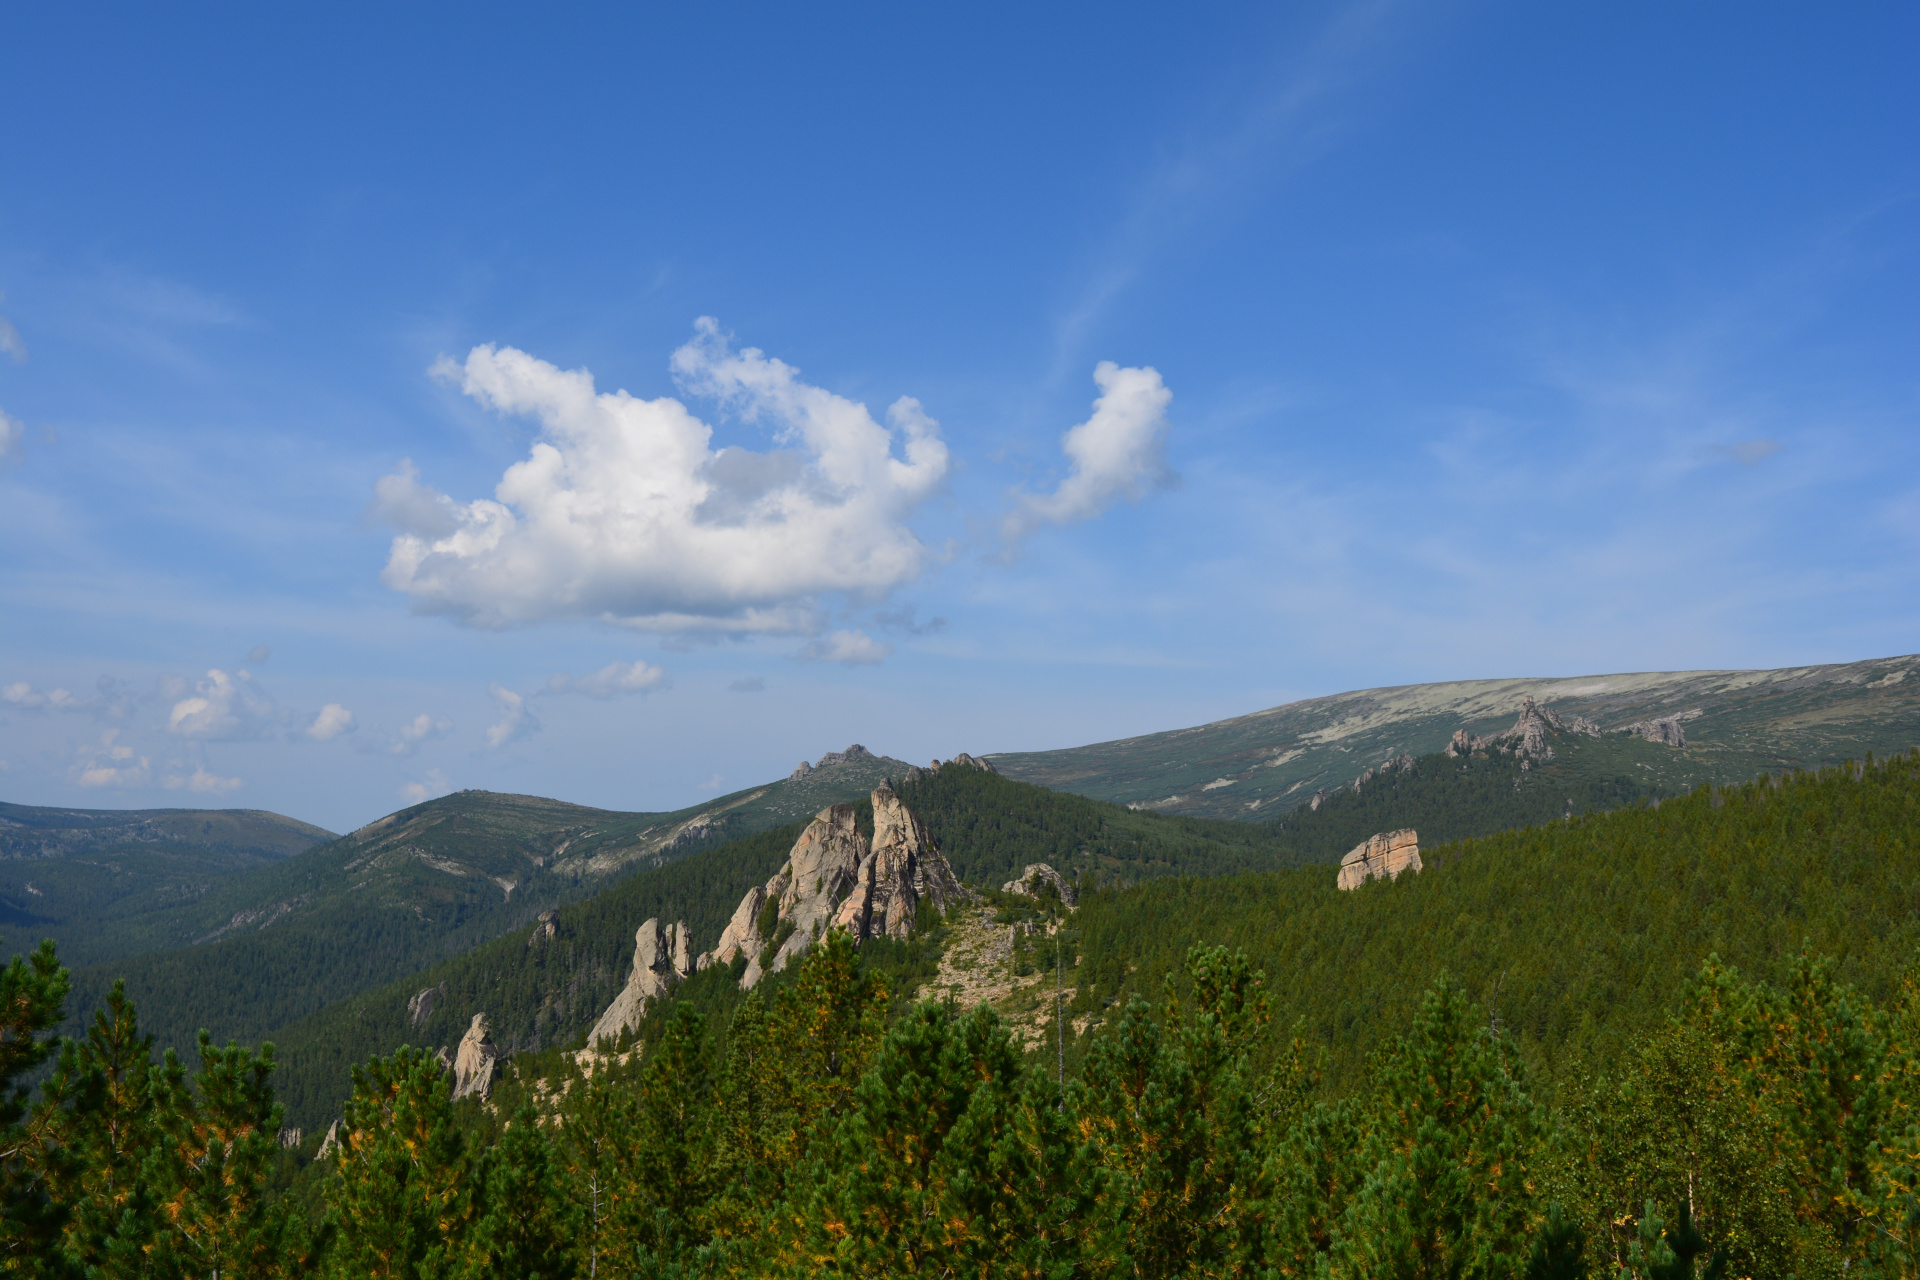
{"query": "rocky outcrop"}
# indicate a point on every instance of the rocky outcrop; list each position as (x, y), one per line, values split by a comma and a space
(800, 771)
(661, 959)
(288, 1138)
(1386, 854)
(330, 1145)
(1528, 737)
(546, 928)
(836, 878)
(741, 937)
(852, 753)
(421, 1006)
(476, 1061)
(965, 761)
(1036, 878)
(1665, 730)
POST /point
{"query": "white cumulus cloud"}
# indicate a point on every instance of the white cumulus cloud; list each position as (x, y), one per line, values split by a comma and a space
(1119, 452)
(434, 784)
(623, 510)
(421, 728)
(224, 708)
(203, 782)
(850, 648)
(516, 721)
(615, 677)
(332, 721)
(113, 764)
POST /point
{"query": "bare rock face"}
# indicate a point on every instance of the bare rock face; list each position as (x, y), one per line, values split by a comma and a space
(800, 771)
(1036, 874)
(1386, 854)
(330, 1145)
(836, 879)
(854, 752)
(741, 937)
(661, 958)
(546, 929)
(476, 1061)
(421, 1006)
(1665, 730)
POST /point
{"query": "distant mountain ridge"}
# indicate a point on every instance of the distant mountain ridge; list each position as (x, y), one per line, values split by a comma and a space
(1272, 761)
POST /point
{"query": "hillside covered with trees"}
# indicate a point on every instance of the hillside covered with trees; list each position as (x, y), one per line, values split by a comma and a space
(1673, 1040)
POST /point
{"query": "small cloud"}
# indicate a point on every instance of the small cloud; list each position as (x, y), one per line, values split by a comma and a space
(111, 700)
(434, 784)
(906, 620)
(421, 728)
(259, 654)
(516, 723)
(224, 708)
(203, 782)
(615, 677)
(10, 343)
(332, 721)
(849, 648)
(1745, 452)
(713, 783)
(1119, 452)
(13, 435)
(113, 764)
(748, 684)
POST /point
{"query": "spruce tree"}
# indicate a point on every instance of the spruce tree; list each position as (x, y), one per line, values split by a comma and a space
(522, 1232)
(32, 992)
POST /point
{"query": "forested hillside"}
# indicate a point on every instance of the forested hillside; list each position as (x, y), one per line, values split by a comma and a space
(1679, 1039)
(541, 991)
(94, 878)
(1578, 935)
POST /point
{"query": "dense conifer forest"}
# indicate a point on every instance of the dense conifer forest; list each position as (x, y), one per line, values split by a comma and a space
(1680, 1040)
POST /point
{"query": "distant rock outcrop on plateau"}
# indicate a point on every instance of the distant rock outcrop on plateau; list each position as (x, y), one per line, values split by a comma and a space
(1386, 854)
(836, 878)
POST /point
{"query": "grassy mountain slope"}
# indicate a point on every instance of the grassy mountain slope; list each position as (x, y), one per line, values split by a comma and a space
(268, 946)
(538, 992)
(1578, 934)
(1751, 722)
(86, 877)
(1447, 798)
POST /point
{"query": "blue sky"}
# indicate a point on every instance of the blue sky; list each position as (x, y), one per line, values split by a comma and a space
(366, 434)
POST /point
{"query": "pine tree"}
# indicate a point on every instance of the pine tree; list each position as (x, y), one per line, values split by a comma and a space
(1447, 1191)
(399, 1198)
(521, 1233)
(32, 993)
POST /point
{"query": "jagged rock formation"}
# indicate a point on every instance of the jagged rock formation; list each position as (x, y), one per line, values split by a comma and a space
(965, 761)
(1386, 854)
(1665, 730)
(421, 1006)
(329, 1145)
(288, 1138)
(476, 1062)
(546, 928)
(800, 771)
(1036, 874)
(1528, 735)
(854, 752)
(834, 878)
(661, 958)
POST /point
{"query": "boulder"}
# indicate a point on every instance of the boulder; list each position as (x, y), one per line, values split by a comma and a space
(476, 1061)
(1037, 874)
(1386, 854)
(661, 959)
